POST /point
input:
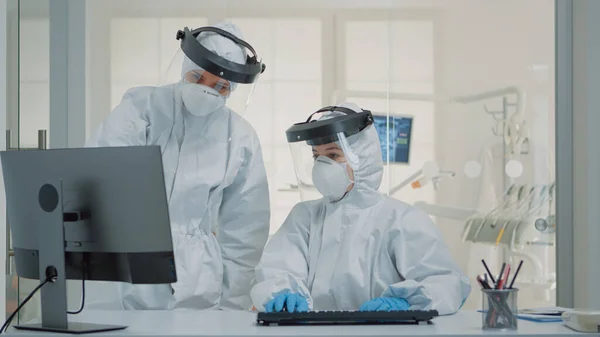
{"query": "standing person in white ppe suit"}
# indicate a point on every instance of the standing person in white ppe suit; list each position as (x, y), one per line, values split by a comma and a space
(354, 248)
(214, 172)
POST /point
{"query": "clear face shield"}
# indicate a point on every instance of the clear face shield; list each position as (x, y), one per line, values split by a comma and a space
(208, 74)
(323, 158)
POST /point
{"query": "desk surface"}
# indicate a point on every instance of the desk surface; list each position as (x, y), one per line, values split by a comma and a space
(241, 323)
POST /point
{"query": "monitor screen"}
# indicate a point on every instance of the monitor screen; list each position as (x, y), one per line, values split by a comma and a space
(399, 132)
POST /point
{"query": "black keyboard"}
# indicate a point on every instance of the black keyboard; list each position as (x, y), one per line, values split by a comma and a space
(346, 317)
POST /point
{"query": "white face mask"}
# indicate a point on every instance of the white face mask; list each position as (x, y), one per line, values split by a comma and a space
(201, 100)
(330, 178)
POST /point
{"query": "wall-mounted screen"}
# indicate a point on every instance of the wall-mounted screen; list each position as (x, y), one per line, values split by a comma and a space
(395, 136)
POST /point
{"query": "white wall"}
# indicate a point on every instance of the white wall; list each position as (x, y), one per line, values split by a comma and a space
(392, 53)
(34, 68)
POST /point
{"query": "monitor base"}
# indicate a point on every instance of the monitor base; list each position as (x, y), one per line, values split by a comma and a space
(72, 328)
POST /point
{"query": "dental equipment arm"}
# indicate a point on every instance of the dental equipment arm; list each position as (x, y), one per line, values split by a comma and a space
(429, 172)
(447, 212)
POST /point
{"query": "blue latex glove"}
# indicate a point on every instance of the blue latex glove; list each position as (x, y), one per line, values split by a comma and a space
(290, 301)
(385, 304)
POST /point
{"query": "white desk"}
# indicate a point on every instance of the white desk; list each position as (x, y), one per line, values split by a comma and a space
(241, 323)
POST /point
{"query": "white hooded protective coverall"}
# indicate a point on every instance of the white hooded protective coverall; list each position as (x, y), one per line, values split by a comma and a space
(214, 184)
(340, 255)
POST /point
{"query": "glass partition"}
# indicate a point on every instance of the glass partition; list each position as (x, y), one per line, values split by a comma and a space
(462, 92)
(28, 121)
(464, 109)
(12, 134)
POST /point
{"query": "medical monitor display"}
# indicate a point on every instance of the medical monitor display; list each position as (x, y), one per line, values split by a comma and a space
(395, 137)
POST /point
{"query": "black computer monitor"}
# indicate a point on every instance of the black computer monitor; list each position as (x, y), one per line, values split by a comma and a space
(395, 137)
(95, 214)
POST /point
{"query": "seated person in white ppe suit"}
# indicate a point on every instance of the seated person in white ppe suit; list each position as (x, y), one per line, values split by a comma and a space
(354, 248)
(214, 174)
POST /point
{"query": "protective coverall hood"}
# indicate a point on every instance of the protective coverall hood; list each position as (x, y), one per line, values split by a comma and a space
(364, 156)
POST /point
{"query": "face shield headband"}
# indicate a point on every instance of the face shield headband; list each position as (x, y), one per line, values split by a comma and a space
(324, 131)
(217, 65)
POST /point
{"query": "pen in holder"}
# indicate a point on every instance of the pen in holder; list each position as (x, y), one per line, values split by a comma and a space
(499, 309)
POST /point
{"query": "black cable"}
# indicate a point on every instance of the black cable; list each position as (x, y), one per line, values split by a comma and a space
(84, 264)
(12, 316)
(82, 297)
(51, 276)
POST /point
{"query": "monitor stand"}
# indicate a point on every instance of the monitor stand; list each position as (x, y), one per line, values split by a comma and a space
(51, 244)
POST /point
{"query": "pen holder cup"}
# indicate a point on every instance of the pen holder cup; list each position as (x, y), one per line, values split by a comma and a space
(499, 311)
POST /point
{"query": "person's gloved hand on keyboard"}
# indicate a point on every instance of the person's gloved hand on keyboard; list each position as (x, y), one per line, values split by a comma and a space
(385, 304)
(287, 301)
